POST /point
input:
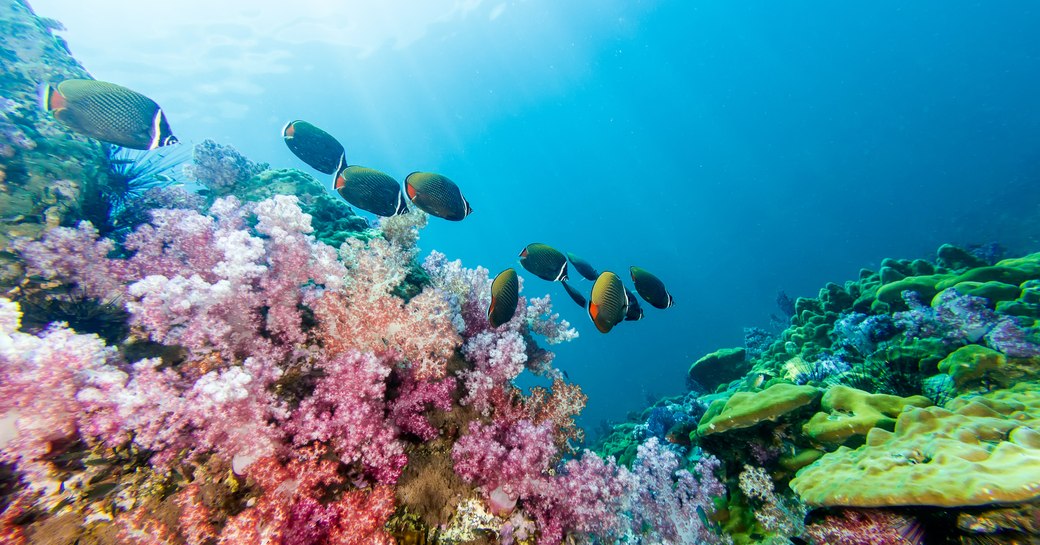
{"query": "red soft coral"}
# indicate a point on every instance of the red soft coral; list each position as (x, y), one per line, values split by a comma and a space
(293, 509)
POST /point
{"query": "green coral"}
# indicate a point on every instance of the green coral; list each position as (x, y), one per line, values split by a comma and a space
(978, 368)
(745, 409)
(848, 413)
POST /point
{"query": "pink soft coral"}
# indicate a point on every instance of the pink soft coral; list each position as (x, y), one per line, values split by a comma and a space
(346, 410)
(205, 283)
(39, 380)
(866, 527)
(668, 500)
(369, 317)
(414, 397)
(499, 354)
(587, 496)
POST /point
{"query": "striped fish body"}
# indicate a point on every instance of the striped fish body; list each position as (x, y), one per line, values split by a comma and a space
(319, 149)
(650, 288)
(544, 261)
(110, 113)
(608, 303)
(370, 190)
(437, 195)
(505, 294)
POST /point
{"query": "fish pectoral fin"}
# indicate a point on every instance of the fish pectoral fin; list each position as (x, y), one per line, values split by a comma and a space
(71, 120)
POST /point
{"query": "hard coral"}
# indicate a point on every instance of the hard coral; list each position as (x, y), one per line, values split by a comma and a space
(220, 168)
(978, 450)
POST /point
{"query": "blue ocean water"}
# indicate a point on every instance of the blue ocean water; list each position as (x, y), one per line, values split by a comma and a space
(733, 149)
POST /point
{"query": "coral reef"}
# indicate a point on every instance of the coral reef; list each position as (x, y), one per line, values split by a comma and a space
(243, 359)
(222, 170)
(979, 450)
(266, 386)
(891, 405)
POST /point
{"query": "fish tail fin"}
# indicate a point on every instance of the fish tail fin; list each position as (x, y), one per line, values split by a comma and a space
(158, 122)
(402, 205)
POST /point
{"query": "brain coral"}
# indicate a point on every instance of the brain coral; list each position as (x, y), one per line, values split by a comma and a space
(979, 450)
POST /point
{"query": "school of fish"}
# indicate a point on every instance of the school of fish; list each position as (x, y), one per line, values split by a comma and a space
(112, 113)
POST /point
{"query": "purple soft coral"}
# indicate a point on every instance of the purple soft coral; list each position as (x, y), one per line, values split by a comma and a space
(952, 317)
(669, 500)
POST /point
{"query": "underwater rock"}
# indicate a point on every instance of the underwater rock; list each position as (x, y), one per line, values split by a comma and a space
(955, 258)
(720, 367)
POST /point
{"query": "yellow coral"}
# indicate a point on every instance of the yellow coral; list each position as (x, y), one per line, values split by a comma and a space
(848, 412)
(980, 450)
(745, 409)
